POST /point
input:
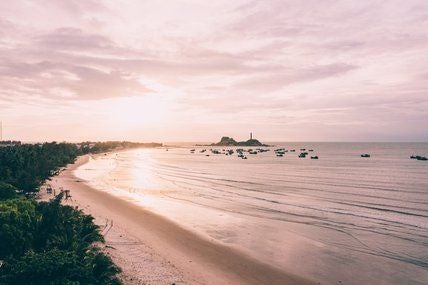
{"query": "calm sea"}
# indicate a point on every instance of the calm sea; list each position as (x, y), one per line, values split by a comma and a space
(341, 219)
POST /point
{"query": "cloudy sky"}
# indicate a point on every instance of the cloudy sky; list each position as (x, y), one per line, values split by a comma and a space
(193, 70)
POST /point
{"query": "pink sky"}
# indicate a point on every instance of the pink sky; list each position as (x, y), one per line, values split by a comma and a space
(196, 70)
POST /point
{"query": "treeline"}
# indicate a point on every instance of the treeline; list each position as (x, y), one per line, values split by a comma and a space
(10, 143)
(27, 166)
(96, 147)
(47, 242)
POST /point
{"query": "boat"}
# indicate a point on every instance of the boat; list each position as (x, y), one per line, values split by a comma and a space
(314, 157)
(279, 155)
(302, 155)
(418, 157)
(365, 155)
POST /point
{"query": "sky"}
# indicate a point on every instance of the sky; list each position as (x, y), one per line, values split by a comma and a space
(197, 70)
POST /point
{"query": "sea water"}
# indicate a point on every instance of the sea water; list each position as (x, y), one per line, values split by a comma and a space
(341, 219)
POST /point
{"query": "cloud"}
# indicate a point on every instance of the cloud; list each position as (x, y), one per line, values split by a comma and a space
(294, 62)
(286, 77)
(77, 7)
(73, 39)
(77, 82)
(54, 66)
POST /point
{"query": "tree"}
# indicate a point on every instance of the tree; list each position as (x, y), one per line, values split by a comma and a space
(64, 227)
(18, 220)
(49, 243)
(57, 266)
(7, 191)
(46, 242)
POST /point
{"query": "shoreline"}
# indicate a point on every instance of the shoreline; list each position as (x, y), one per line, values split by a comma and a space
(152, 249)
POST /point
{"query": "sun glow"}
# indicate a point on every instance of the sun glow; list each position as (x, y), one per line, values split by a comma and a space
(147, 110)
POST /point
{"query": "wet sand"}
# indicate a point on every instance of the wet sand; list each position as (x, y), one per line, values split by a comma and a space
(151, 249)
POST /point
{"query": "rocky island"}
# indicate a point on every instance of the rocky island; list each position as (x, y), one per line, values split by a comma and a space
(228, 141)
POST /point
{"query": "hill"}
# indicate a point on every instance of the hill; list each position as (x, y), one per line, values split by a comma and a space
(228, 141)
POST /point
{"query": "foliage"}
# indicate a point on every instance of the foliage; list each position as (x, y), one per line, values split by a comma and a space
(97, 147)
(7, 191)
(57, 266)
(26, 166)
(47, 242)
(64, 227)
(17, 226)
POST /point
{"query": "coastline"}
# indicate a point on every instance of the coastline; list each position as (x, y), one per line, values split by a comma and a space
(151, 249)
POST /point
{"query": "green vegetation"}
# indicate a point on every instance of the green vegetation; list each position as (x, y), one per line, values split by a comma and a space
(17, 226)
(7, 191)
(27, 166)
(47, 242)
(97, 147)
(57, 266)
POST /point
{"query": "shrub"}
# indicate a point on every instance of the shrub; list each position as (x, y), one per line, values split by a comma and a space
(7, 191)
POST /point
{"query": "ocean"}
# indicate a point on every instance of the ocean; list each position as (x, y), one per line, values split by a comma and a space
(341, 219)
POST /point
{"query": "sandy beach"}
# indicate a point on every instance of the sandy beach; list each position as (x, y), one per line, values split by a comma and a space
(151, 249)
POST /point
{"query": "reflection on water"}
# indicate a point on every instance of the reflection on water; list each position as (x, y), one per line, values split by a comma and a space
(340, 218)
